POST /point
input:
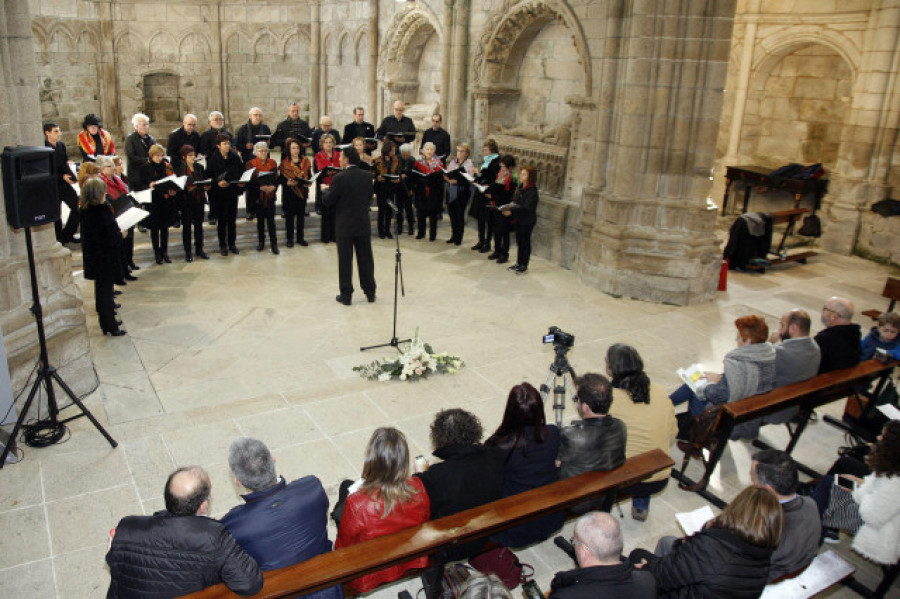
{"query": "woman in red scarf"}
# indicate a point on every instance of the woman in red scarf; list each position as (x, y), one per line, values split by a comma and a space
(116, 188)
(429, 192)
(326, 157)
(265, 195)
(94, 139)
(294, 167)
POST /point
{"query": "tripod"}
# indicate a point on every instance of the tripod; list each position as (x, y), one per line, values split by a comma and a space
(46, 372)
(560, 371)
(398, 279)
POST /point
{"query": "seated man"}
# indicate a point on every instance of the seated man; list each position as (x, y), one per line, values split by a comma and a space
(178, 550)
(602, 572)
(775, 471)
(280, 524)
(840, 339)
(594, 443)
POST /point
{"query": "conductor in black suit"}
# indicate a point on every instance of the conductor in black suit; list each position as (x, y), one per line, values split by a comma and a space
(350, 195)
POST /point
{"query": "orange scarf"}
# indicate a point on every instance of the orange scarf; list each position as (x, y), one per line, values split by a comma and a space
(86, 143)
(291, 171)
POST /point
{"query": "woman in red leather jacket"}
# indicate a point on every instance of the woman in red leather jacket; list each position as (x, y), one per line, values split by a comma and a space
(388, 500)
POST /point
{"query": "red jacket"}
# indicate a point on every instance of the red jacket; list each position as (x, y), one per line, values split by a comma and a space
(362, 521)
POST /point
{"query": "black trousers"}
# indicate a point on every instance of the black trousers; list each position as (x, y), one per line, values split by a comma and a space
(457, 212)
(251, 201)
(192, 217)
(128, 249)
(523, 242)
(227, 221)
(385, 212)
(327, 224)
(486, 227)
(404, 205)
(501, 233)
(266, 215)
(362, 245)
(159, 239)
(432, 217)
(64, 234)
(294, 213)
(105, 304)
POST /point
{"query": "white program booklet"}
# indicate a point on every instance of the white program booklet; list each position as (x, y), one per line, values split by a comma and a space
(131, 217)
(890, 411)
(693, 522)
(827, 569)
(692, 376)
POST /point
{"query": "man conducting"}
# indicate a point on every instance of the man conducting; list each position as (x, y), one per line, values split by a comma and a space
(350, 195)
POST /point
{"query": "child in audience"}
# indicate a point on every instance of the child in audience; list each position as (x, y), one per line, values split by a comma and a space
(883, 336)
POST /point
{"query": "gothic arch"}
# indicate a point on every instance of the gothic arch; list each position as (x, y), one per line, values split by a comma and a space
(87, 41)
(300, 36)
(265, 44)
(362, 34)
(41, 43)
(131, 45)
(163, 47)
(777, 46)
(344, 44)
(516, 17)
(408, 22)
(191, 43)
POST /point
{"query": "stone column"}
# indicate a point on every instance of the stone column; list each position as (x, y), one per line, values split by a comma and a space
(107, 75)
(446, 45)
(64, 319)
(220, 77)
(315, 66)
(372, 75)
(456, 124)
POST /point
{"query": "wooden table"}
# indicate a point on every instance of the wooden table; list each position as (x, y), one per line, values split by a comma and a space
(758, 176)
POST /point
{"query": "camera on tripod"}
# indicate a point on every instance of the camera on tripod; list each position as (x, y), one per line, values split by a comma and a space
(559, 338)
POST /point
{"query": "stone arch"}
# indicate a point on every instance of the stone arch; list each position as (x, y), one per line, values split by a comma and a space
(406, 30)
(776, 46)
(511, 24)
(87, 42)
(62, 43)
(265, 47)
(41, 43)
(162, 48)
(360, 46)
(238, 46)
(161, 95)
(191, 44)
(344, 48)
(296, 41)
(130, 44)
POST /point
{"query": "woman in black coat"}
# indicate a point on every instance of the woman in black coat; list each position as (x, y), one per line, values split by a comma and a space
(728, 558)
(101, 246)
(523, 209)
(162, 208)
(487, 174)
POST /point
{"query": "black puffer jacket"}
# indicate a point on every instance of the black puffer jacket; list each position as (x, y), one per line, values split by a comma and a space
(101, 244)
(621, 581)
(841, 347)
(593, 444)
(163, 556)
(711, 564)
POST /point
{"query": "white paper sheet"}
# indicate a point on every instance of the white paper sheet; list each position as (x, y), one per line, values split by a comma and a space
(131, 217)
(827, 569)
(692, 522)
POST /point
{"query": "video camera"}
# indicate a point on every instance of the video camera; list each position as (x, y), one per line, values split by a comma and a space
(559, 338)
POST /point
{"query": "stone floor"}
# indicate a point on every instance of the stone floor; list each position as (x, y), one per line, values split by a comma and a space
(256, 345)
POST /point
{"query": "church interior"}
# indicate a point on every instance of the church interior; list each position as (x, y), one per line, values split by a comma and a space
(633, 113)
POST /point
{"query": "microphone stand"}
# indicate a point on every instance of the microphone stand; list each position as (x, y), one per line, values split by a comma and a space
(398, 279)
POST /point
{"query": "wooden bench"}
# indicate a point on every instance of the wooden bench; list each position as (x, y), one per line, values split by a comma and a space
(790, 217)
(347, 563)
(891, 292)
(808, 395)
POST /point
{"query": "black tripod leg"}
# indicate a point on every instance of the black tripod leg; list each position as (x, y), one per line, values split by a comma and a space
(84, 409)
(21, 419)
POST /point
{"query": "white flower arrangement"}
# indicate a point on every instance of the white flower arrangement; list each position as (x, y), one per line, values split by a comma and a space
(417, 362)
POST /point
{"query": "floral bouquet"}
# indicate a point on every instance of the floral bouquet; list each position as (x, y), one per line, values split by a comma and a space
(417, 362)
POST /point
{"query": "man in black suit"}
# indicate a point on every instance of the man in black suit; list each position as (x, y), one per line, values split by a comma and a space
(397, 127)
(359, 128)
(64, 189)
(350, 195)
(186, 135)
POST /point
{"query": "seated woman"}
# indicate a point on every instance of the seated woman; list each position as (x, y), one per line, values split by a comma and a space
(875, 498)
(529, 447)
(388, 500)
(728, 558)
(749, 370)
(648, 415)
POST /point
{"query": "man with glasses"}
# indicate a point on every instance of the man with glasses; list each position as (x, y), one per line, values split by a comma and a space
(437, 136)
(839, 341)
(597, 542)
(397, 127)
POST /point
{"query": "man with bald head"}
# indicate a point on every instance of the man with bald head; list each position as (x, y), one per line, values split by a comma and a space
(602, 571)
(178, 550)
(840, 340)
(186, 135)
(397, 127)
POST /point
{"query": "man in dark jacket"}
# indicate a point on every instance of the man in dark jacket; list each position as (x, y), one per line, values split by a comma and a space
(598, 546)
(186, 135)
(279, 524)
(64, 180)
(249, 134)
(178, 550)
(594, 443)
(438, 136)
(839, 341)
(359, 128)
(398, 128)
(292, 127)
(350, 194)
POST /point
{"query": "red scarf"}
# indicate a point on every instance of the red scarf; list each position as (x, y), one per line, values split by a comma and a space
(114, 186)
(86, 143)
(263, 166)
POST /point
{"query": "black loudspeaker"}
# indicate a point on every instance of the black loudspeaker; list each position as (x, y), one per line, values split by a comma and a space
(29, 186)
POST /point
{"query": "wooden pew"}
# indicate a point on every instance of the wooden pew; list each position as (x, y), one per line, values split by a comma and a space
(891, 292)
(347, 563)
(808, 395)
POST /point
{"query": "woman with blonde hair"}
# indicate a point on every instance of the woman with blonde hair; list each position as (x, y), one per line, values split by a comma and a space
(101, 246)
(162, 208)
(388, 500)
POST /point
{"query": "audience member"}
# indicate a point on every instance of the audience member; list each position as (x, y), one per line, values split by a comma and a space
(597, 540)
(279, 524)
(178, 550)
(776, 472)
(749, 370)
(728, 558)
(529, 447)
(648, 415)
(485, 586)
(882, 336)
(470, 474)
(797, 358)
(839, 341)
(388, 500)
(594, 443)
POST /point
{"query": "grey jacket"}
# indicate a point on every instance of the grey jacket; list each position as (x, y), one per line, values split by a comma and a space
(795, 360)
(799, 539)
(593, 444)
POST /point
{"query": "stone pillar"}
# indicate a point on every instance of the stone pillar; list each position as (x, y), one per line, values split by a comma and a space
(315, 66)
(64, 319)
(446, 45)
(456, 124)
(218, 50)
(372, 75)
(647, 233)
(862, 172)
(106, 69)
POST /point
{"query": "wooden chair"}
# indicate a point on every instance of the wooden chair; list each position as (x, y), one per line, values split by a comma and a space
(891, 292)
